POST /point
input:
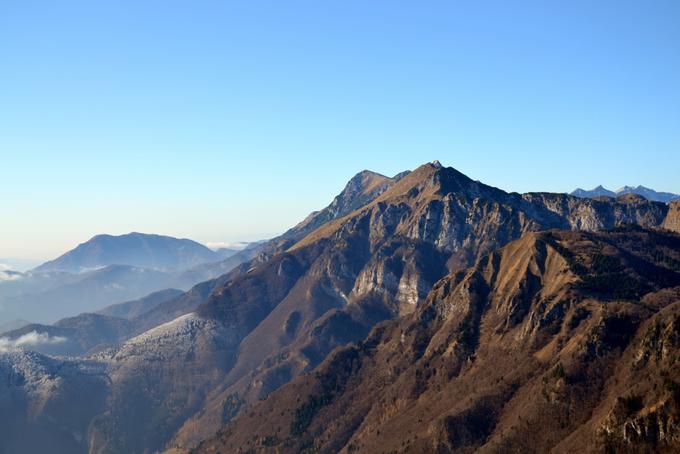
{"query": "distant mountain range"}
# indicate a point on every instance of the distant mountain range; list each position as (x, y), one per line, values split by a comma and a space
(47, 297)
(92, 332)
(12, 325)
(109, 269)
(649, 194)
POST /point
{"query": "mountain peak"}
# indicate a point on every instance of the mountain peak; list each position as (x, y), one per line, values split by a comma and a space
(598, 191)
(365, 181)
(433, 165)
(361, 189)
(434, 178)
(134, 249)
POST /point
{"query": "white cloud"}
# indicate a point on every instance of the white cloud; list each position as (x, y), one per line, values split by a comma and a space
(21, 265)
(239, 245)
(29, 340)
(7, 275)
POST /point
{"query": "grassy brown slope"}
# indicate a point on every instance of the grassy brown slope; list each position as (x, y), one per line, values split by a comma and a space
(536, 348)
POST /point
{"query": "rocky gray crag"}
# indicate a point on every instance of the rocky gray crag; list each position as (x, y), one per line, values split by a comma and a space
(672, 221)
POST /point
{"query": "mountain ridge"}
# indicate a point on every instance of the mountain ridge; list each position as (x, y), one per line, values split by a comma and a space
(135, 249)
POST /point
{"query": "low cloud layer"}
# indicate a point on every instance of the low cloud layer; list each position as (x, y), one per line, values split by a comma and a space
(29, 340)
(7, 275)
(225, 244)
(20, 265)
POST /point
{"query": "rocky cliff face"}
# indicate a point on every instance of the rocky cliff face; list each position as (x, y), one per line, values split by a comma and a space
(559, 341)
(672, 221)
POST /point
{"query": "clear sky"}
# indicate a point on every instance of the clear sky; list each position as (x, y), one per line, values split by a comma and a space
(231, 120)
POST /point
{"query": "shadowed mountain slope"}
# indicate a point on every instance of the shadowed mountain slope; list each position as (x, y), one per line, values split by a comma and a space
(47, 404)
(132, 309)
(560, 341)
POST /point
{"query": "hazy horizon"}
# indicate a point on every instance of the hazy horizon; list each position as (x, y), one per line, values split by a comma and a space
(210, 242)
(231, 122)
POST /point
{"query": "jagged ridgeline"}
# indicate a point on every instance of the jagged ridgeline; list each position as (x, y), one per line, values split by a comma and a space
(385, 248)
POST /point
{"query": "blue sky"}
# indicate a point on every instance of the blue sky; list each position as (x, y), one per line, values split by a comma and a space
(230, 120)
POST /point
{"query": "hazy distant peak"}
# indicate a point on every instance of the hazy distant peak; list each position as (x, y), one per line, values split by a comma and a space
(599, 191)
(647, 193)
(133, 249)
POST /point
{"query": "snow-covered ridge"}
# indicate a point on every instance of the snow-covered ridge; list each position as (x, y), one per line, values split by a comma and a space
(171, 339)
(40, 375)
